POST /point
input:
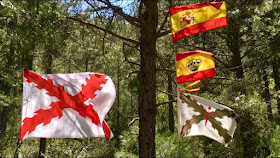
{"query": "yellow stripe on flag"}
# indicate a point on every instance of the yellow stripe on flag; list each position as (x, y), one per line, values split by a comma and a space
(206, 63)
(194, 65)
(199, 15)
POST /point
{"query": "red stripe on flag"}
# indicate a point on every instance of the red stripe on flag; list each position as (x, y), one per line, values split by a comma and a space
(201, 27)
(185, 54)
(175, 9)
(189, 53)
(196, 76)
(106, 130)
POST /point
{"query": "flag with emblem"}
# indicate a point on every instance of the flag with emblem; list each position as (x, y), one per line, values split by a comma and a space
(194, 65)
(199, 116)
(192, 19)
(70, 105)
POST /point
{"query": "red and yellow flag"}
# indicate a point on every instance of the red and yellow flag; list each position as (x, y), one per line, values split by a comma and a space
(192, 19)
(194, 65)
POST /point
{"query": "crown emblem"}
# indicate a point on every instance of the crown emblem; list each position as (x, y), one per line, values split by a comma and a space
(186, 19)
(193, 64)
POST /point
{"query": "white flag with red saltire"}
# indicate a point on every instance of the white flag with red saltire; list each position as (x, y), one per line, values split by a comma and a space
(70, 105)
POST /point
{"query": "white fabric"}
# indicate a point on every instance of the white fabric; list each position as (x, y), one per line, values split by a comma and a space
(186, 113)
(71, 124)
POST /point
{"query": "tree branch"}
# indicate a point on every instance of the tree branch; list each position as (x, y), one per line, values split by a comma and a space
(160, 34)
(164, 92)
(172, 101)
(132, 20)
(103, 29)
(163, 23)
(131, 122)
(127, 60)
(227, 66)
(96, 9)
(103, 52)
(133, 72)
(248, 52)
(167, 70)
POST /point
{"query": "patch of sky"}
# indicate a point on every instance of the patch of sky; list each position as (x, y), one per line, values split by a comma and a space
(83, 7)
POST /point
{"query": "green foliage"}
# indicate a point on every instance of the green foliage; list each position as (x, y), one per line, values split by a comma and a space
(36, 35)
(129, 145)
(275, 143)
(169, 145)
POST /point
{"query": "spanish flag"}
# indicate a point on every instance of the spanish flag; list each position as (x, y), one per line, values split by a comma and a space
(194, 65)
(192, 19)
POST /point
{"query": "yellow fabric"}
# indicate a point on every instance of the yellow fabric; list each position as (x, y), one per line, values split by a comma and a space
(200, 15)
(206, 63)
(190, 85)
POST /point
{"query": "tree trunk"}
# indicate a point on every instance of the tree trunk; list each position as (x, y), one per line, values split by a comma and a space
(147, 107)
(42, 150)
(170, 104)
(234, 46)
(118, 110)
(237, 63)
(4, 119)
(276, 73)
(7, 87)
(4, 115)
(266, 95)
(48, 69)
(86, 62)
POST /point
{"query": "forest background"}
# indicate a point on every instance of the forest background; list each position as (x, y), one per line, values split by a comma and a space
(131, 42)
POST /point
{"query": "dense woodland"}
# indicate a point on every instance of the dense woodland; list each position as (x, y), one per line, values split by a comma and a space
(131, 42)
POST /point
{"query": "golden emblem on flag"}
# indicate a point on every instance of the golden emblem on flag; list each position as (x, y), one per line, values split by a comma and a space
(191, 19)
(193, 64)
(186, 20)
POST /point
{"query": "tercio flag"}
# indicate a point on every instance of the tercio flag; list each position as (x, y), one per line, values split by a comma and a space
(192, 19)
(202, 117)
(194, 65)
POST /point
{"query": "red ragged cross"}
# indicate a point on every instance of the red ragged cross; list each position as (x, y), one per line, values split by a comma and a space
(208, 113)
(66, 101)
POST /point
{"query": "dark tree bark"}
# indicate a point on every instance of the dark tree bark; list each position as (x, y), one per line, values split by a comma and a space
(7, 87)
(118, 110)
(266, 95)
(4, 120)
(170, 104)
(42, 150)
(48, 69)
(234, 46)
(4, 115)
(147, 107)
(86, 63)
(276, 73)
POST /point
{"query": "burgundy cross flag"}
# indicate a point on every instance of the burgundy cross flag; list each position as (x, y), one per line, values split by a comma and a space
(199, 116)
(70, 105)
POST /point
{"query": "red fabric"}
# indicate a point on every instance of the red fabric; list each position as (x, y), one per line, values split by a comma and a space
(201, 27)
(189, 53)
(107, 130)
(196, 76)
(185, 54)
(66, 101)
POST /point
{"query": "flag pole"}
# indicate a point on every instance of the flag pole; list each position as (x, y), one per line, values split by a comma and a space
(17, 151)
(42, 150)
(43, 141)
